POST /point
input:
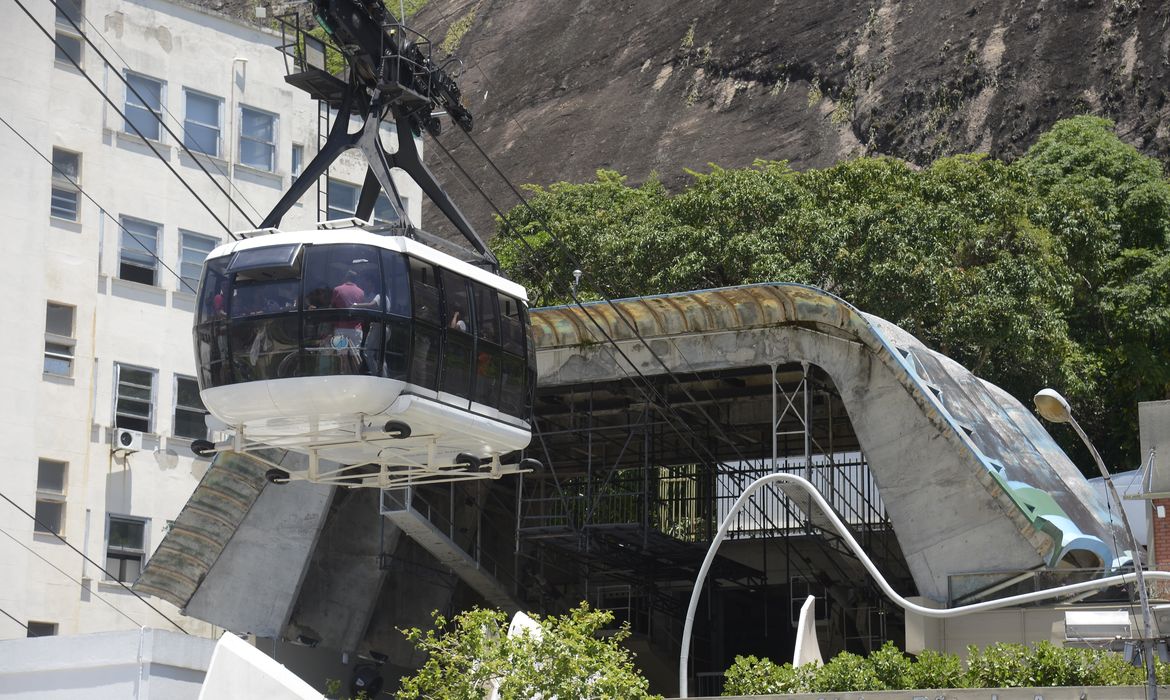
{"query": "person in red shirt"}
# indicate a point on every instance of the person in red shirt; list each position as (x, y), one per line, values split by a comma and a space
(346, 296)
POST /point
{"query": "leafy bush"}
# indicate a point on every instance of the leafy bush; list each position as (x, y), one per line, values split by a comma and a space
(752, 676)
(997, 666)
(846, 672)
(568, 659)
(892, 667)
(934, 669)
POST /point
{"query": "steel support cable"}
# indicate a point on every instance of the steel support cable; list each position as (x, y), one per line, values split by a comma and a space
(85, 556)
(64, 573)
(103, 210)
(10, 617)
(165, 109)
(650, 391)
(871, 568)
(122, 114)
(658, 395)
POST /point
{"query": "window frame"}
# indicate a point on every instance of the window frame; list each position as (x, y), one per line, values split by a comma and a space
(158, 114)
(123, 249)
(271, 145)
(331, 187)
(150, 418)
(47, 629)
(65, 32)
(62, 185)
(49, 496)
(68, 342)
(217, 127)
(296, 162)
(184, 234)
(176, 407)
(126, 553)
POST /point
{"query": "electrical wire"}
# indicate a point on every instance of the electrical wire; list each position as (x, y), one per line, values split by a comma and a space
(649, 389)
(84, 556)
(127, 121)
(10, 617)
(102, 209)
(182, 142)
(102, 598)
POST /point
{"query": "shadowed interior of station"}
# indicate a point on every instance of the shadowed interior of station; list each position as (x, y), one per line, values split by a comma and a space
(652, 416)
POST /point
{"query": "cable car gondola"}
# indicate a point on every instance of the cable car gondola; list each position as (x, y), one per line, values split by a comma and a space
(363, 345)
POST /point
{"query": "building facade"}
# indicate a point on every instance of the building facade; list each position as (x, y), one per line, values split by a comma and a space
(109, 220)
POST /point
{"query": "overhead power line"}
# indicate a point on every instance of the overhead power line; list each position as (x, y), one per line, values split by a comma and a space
(85, 556)
(66, 574)
(126, 120)
(103, 210)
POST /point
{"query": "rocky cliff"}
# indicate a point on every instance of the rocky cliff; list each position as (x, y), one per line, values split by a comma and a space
(561, 89)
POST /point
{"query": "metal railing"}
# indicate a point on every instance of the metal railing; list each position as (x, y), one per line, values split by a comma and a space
(409, 499)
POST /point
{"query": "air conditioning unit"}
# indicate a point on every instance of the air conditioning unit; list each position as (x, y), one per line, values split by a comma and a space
(126, 440)
(1096, 625)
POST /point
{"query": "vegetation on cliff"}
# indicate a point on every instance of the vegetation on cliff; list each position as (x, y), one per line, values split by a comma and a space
(1051, 270)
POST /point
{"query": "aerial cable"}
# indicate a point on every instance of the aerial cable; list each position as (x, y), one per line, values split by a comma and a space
(64, 573)
(85, 556)
(127, 121)
(179, 141)
(102, 209)
(10, 617)
(172, 115)
(648, 389)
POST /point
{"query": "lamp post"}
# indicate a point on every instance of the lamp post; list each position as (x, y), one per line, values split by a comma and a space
(1053, 407)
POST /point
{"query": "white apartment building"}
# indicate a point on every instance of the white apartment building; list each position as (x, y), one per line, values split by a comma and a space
(99, 267)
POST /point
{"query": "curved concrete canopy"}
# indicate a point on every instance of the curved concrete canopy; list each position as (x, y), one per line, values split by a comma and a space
(971, 480)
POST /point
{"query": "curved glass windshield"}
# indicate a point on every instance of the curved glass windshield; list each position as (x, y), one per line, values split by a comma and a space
(296, 310)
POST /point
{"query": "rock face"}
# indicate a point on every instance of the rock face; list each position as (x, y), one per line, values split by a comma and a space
(561, 89)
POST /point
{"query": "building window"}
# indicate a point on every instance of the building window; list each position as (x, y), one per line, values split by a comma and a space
(297, 162)
(257, 139)
(138, 258)
(193, 250)
(134, 398)
(67, 35)
(42, 629)
(50, 510)
(59, 340)
(201, 124)
(189, 410)
(125, 547)
(143, 110)
(65, 201)
(342, 199)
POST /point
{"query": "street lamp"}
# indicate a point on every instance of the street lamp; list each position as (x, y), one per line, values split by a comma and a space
(1054, 408)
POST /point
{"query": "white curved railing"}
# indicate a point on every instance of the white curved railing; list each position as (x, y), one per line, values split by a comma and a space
(898, 600)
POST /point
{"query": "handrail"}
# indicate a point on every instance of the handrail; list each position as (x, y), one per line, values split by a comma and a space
(843, 531)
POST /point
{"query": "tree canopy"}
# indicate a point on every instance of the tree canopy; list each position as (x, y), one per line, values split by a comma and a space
(568, 658)
(1051, 270)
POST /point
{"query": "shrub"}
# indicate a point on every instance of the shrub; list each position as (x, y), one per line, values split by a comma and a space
(846, 672)
(933, 669)
(891, 667)
(752, 676)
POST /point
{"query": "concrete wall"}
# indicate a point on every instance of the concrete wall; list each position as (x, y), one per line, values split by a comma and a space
(138, 664)
(76, 263)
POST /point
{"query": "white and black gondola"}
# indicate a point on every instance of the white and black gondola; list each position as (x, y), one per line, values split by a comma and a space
(362, 345)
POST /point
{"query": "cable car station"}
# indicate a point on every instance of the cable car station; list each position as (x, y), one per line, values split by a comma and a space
(951, 485)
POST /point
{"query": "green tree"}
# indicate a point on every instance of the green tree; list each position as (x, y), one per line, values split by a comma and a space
(1048, 271)
(568, 659)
